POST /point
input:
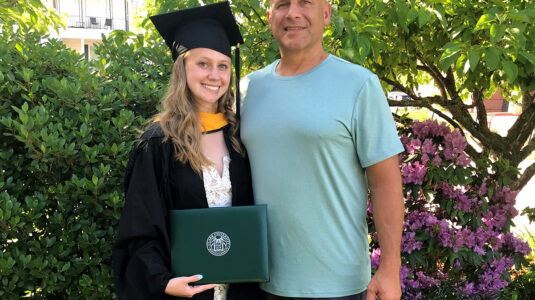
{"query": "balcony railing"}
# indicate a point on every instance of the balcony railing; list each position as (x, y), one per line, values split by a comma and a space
(96, 23)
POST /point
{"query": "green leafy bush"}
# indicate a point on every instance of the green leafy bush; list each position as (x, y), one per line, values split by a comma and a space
(67, 126)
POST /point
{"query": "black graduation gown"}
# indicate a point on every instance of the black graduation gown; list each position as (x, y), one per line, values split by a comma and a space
(155, 183)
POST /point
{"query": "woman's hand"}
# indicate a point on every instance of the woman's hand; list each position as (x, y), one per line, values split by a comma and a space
(179, 286)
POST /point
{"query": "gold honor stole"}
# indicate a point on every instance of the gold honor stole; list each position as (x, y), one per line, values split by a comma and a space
(212, 122)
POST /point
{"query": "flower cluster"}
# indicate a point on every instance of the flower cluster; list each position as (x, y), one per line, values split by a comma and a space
(459, 195)
(502, 208)
(457, 225)
(490, 280)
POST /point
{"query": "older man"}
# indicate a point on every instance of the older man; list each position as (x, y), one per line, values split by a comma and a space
(319, 134)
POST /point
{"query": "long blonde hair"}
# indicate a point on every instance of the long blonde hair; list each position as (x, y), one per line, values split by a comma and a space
(180, 120)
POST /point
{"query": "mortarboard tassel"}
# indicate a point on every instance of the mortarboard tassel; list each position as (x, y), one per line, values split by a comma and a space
(237, 70)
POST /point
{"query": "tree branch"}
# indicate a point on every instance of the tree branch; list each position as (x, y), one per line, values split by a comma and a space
(523, 180)
(526, 151)
(426, 102)
(522, 129)
(477, 97)
(438, 80)
(435, 73)
(451, 86)
(464, 121)
(259, 17)
(527, 98)
(247, 16)
(399, 86)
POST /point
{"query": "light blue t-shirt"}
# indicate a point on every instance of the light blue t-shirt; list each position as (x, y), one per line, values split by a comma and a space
(309, 138)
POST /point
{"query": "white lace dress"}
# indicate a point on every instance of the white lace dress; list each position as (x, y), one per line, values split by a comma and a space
(219, 194)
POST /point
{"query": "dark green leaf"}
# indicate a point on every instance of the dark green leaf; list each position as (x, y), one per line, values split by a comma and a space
(473, 58)
(492, 58)
(511, 70)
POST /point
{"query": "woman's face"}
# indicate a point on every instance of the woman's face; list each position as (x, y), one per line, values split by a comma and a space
(208, 77)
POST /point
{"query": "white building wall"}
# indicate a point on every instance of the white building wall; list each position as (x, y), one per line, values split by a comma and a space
(118, 8)
(88, 20)
(69, 7)
(97, 8)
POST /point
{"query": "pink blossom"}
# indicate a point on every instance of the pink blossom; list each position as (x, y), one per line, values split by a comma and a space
(463, 203)
(483, 188)
(376, 258)
(463, 160)
(425, 159)
(409, 243)
(413, 173)
(437, 160)
(428, 147)
(414, 145)
(456, 141)
(404, 139)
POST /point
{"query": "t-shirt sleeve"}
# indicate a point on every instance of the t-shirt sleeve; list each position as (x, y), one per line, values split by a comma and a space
(374, 131)
(244, 86)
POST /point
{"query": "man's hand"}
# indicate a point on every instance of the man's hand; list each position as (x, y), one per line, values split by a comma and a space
(385, 285)
(179, 286)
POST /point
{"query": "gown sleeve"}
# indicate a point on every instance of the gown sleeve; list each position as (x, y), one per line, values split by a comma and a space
(141, 253)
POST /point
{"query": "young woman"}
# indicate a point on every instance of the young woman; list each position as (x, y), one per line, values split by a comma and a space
(190, 157)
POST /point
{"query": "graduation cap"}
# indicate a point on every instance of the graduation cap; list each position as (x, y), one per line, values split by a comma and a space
(211, 26)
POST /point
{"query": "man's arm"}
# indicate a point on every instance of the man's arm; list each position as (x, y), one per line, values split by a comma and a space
(384, 182)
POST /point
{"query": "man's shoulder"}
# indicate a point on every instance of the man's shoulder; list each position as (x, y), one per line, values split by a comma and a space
(261, 73)
(345, 68)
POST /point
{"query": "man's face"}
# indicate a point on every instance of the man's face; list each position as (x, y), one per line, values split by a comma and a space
(297, 25)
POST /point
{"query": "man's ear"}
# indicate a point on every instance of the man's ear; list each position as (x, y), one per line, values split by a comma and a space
(327, 14)
(268, 14)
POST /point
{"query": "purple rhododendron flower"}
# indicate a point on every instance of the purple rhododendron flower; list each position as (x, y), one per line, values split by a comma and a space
(428, 147)
(468, 237)
(409, 243)
(483, 188)
(463, 203)
(448, 153)
(376, 258)
(404, 139)
(495, 218)
(467, 289)
(456, 141)
(463, 160)
(496, 241)
(425, 159)
(437, 160)
(404, 272)
(426, 281)
(445, 234)
(491, 277)
(413, 173)
(421, 129)
(414, 145)
(513, 243)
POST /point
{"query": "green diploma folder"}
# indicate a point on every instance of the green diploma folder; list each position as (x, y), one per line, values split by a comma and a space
(224, 244)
